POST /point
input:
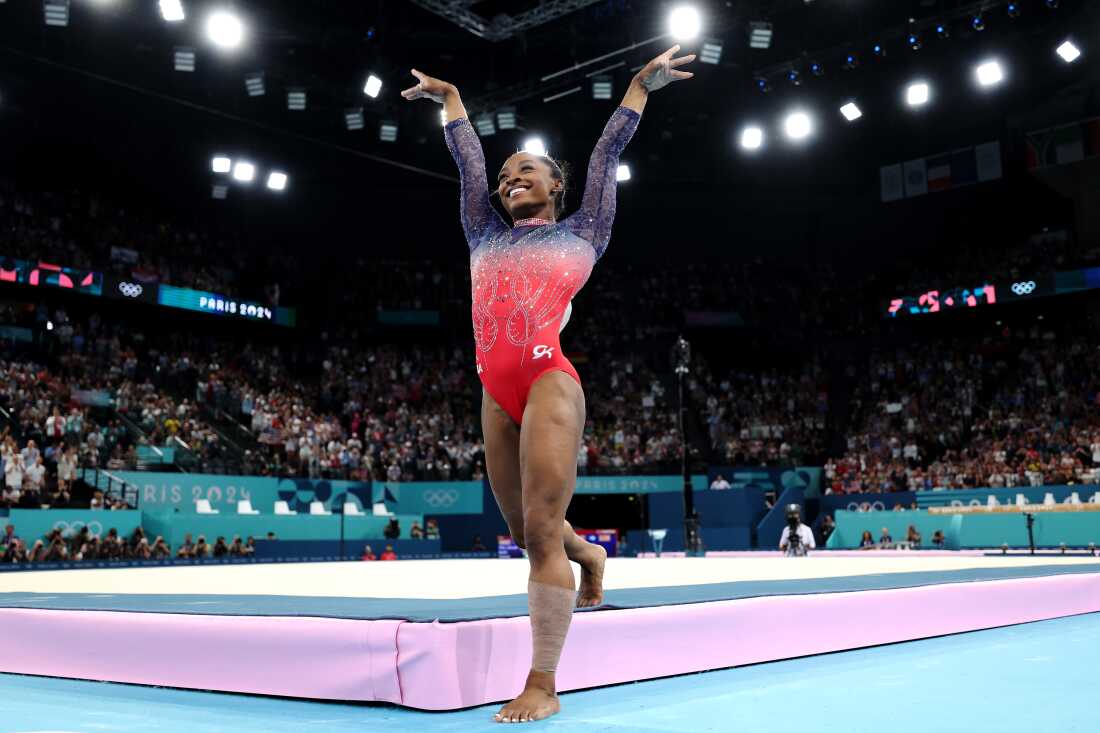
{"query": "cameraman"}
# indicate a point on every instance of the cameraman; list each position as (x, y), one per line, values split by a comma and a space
(797, 539)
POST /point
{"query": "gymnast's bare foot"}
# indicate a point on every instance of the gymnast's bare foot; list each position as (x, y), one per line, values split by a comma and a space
(592, 564)
(538, 700)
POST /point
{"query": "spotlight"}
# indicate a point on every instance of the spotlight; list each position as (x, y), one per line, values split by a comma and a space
(851, 111)
(752, 138)
(296, 99)
(915, 42)
(943, 31)
(917, 94)
(171, 10)
(684, 23)
(373, 86)
(879, 50)
(244, 172)
(817, 69)
(763, 85)
(387, 132)
(760, 35)
(711, 52)
(794, 77)
(221, 164)
(353, 119)
(219, 191)
(276, 181)
(1013, 10)
(56, 12)
(798, 126)
(851, 61)
(1069, 52)
(224, 29)
(254, 84)
(990, 73)
(978, 23)
(184, 59)
(534, 146)
(485, 125)
(622, 173)
(506, 118)
(601, 87)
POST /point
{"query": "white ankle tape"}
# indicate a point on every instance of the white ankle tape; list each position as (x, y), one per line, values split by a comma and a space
(551, 609)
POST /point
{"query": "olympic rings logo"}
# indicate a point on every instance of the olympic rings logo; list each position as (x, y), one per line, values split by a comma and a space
(130, 290)
(866, 506)
(440, 498)
(1024, 288)
(68, 530)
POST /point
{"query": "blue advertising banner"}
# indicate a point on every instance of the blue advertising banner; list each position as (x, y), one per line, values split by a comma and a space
(35, 524)
(431, 497)
(980, 497)
(808, 478)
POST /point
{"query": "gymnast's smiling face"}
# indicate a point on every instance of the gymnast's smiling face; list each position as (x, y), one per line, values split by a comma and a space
(528, 187)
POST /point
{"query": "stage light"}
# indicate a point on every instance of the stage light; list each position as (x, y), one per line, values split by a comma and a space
(387, 132)
(798, 126)
(915, 42)
(851, 61)
(711, 52)
(601, 87)
(506, 118)
(943, 31)
(989, 73)
(224, 29)
(1013, 10)
(373, 86)
(817, 69)
(622, 173)
(353, 119)
(752, 138)
(276, 181)
(184, 59)
(684, 23)
(534, 146)
(244, 172)
(760, 35)
(917, 94)
(1069, 52)
(978, 23)
(296, 99)
(56, 12)
(221, 164)
(171, 10)
(485, 125)
(794, 77)
(763, 85)
(851, 111)
(879, 50)
(219, 191)
(254, 84)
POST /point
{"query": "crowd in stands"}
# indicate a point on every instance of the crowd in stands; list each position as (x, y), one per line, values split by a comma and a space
(84, 546)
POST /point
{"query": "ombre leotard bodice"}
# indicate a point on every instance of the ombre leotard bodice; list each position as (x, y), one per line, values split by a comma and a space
(523, 279)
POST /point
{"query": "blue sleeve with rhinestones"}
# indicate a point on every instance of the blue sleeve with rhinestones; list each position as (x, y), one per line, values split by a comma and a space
(479, 219)
(593, 221)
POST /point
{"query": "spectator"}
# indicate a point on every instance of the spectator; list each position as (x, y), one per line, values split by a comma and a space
(392, 530)
(161, 550)
(719, 483)
(368, 554)
(828, 525)
(913, 536)
(938, 540)
(220, 548)
(271, 536)
(388, 553)
(237, 548)
(884, 538)
(186, 548)
(416, 532)
(202, 550)
(477, 546)
(249, 546)
(9, 535)
(431, 532)
(867, 542)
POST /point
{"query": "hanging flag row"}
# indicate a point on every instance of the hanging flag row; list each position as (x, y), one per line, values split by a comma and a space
(1064, 144)
(963, 167)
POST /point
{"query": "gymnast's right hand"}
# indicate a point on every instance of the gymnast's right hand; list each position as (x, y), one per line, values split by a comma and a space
(428, 88)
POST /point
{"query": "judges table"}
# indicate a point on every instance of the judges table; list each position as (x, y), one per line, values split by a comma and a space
(173, 526)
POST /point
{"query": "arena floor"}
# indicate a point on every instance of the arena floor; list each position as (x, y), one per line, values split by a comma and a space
(980, 681)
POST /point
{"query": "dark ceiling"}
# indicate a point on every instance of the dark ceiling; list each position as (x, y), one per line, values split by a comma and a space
(98, 103)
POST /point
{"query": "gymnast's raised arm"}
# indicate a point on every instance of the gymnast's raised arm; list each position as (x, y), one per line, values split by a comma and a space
(479, 219)
(592, 222)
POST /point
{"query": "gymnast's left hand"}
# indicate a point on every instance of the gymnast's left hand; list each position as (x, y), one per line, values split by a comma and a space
(663, 70)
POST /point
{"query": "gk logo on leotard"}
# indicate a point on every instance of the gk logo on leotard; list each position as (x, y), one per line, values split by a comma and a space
(541, 351)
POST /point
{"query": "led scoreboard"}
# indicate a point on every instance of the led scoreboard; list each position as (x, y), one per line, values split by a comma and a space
(984, 294)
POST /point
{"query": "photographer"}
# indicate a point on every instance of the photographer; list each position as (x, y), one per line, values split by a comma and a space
(797, 539)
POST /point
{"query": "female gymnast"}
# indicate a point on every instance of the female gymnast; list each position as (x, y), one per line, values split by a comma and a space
(523, 279)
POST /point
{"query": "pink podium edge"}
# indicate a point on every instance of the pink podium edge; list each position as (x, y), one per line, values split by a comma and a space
(446, 666)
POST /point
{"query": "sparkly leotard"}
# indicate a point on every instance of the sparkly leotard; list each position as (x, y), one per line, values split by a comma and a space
(523, 278)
